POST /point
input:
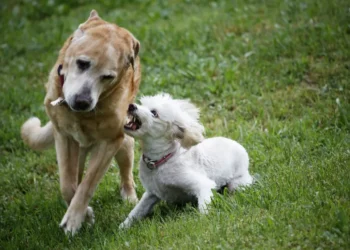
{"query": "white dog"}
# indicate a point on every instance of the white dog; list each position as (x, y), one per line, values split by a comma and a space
(171, 167)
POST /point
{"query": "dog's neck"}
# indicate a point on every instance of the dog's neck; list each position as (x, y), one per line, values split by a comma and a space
(156, 149)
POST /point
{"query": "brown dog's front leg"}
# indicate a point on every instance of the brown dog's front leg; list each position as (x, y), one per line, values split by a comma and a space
(82, 157)
(67, 151)
(101, 157)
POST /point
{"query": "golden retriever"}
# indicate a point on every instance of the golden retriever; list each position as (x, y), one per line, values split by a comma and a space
(95, 78)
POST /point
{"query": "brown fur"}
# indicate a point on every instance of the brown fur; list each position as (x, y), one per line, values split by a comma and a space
(99, 131)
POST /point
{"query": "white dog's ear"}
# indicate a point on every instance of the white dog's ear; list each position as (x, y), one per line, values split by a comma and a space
(187, 128)
(178, 131)
(189, 108)
(188, 136)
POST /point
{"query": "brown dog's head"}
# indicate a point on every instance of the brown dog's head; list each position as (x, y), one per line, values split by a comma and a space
(97, 56)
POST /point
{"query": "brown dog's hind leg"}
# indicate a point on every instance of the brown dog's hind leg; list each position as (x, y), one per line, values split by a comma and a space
(125, 160)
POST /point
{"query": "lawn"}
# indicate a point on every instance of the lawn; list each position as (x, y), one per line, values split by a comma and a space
(273, 75)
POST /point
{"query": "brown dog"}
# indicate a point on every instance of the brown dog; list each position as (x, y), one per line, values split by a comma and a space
(95, 78)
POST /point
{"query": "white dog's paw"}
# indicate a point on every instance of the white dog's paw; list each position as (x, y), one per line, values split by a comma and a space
(73, 220)
(129, 196)
(203, 209)
(125, 225)
(204, 200)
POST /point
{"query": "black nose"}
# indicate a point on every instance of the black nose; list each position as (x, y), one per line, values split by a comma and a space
(132, 107)
(82, 102)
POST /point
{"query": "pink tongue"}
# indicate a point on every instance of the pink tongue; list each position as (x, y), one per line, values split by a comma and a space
(133, 126)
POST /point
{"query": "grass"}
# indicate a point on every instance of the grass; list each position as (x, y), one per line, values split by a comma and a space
(273, 75)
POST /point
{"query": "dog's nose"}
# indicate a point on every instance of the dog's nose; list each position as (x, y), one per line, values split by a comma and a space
(82, 102)
(132, 107)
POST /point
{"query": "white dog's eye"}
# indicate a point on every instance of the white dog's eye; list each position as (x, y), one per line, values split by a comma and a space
(154, 113)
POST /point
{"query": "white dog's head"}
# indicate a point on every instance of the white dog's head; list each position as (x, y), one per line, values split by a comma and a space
(161, 117)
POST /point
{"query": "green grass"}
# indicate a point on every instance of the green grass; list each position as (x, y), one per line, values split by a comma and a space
(273, 75)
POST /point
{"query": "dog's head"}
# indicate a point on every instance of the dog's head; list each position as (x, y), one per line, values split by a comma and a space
(97, 56)
(161, 117)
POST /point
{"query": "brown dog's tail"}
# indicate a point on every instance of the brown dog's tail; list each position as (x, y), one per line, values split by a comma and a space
(35, 136)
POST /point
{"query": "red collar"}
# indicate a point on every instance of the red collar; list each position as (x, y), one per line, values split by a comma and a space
(61, 76)
(152, 164)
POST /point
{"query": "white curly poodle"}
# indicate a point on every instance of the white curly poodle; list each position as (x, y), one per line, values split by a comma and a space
(178, 165)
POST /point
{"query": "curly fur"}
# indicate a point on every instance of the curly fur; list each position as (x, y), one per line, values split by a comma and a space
(197, 165)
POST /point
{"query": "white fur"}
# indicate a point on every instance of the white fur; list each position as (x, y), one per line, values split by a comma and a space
(190, 174)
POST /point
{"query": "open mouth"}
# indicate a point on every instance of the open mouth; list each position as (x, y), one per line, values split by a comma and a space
(133, 122)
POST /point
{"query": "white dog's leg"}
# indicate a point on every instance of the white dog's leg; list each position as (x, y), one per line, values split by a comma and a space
(198, 185)
(204, 194)
(143, 208)
(240, 182)
(204, 199)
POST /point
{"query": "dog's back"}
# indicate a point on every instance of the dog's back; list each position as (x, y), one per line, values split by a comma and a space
(225, 161)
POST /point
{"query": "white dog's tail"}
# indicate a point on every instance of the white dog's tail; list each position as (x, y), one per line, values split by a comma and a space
(35, 136)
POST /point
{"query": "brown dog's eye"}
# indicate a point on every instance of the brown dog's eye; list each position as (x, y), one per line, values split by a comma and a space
(83, 65)
(107, 77)
(154, 113)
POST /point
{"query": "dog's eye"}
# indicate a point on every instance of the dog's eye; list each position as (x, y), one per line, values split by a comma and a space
(154, 113)
(107, 77)
(83, 65)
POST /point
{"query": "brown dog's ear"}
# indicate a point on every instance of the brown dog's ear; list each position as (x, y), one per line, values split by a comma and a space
(135, 48)
(93, 14)
(80, 31)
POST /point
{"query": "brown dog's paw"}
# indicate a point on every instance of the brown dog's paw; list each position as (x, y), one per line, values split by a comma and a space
(129, 195)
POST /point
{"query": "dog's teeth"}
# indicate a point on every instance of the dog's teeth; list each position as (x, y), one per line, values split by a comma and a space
(129, 118)
(134, 127)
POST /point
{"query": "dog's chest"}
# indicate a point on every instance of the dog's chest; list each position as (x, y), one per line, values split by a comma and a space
(87, 130)
(79, 134)
(157, 182)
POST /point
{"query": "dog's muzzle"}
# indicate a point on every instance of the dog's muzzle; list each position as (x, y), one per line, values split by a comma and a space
(82, 101)
(134, 122)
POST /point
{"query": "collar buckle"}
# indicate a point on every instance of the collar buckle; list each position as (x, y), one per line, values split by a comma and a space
(151, 165)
